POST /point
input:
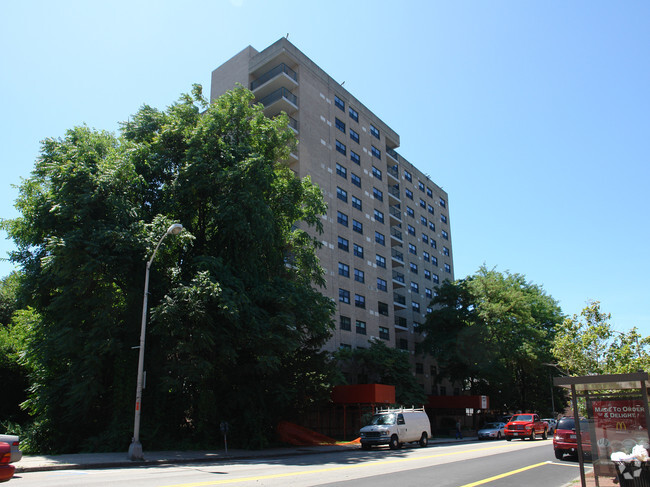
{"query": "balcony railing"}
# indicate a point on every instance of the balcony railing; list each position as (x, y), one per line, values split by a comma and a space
(397, 255)
(293, 123)
(278, 95)
(392, 153)
(398, 299)
(401, 322)
(395, 232)
(395, 212)
(280, 68)
(392, 170)
(398, 276)
(394, 191)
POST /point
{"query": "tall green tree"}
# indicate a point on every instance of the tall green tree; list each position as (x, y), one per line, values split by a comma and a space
(587, 344)
(493, 332)
(381, 364)
(236, 316)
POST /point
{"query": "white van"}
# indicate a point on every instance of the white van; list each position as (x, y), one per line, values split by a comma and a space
(393, 427)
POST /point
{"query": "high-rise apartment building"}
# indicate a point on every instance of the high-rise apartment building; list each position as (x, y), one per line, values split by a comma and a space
(387, 238)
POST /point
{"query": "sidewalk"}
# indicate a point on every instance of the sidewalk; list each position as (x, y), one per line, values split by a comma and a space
(36, 463)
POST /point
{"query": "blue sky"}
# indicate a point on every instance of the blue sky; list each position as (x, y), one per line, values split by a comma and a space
(533, 116)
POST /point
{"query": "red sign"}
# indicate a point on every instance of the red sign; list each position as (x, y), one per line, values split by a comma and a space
(619, 414)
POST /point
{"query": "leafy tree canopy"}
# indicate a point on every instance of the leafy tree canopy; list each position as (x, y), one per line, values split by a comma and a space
(236, 320)
(493, 331)
(587, 344)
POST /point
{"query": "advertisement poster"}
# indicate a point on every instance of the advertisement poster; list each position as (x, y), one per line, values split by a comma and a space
(619, 415)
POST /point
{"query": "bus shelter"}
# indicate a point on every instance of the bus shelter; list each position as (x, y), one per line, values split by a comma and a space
(611, 426)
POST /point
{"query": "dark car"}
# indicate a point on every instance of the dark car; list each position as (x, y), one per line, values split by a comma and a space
(565, 439)
(6, 469)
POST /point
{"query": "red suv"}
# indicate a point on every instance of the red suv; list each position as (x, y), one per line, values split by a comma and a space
(565, 438)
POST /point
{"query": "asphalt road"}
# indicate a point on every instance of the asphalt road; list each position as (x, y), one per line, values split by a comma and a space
(499, 463)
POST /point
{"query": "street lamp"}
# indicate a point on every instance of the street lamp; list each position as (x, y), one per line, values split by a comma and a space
(135, 449)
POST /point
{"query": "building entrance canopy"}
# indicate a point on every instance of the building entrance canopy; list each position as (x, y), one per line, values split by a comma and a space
(611, 417)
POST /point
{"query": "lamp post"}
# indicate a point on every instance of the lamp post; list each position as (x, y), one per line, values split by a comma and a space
(135, 449)
(555, 366)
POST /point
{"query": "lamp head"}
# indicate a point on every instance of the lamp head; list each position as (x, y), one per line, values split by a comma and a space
(175, 229)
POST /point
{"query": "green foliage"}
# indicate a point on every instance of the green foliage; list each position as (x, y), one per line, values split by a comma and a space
(493, 332)
(588, 344)
(235, 324)
(381, 364)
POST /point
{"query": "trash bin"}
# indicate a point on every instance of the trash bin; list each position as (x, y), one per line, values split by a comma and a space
(633, 474)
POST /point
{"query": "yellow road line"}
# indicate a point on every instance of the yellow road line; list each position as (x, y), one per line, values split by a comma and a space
(507, 474)
(330, 469)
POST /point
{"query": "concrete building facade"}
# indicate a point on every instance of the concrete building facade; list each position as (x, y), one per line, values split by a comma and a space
(387, 237)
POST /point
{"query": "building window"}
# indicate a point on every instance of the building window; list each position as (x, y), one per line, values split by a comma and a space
(419, 368)
(382, 285)
(430, 209)
(339, 103)
(429, 192)
(403, 344)
(344, 270)
(413, 249)
(361, 327)
(436, 278)
(356, 203)
(443, 218)
(341, 171)
(427, 274)
(357, 226)
(423, 221)
(432, 226)
(410, 229)
(382, 308)
(415, 306)
(448, 268)
(375, 152)
(380, 261)
(345, 323)
(359, 275)
(445, 235)
(413, 267)
(342, 218)
(428, 293)
(354, 136)
(344, 244)
(377, 194)
(408, 193)
(358, 250)
(425, 238)
(341, 194)
(380, 238)
(356, 180)
(359, 301)
(383, 333)
(410, 212)
(376, 173)
(420, 185)
(379, 216)
(339, 125)
(373, 131)
(354, 157)
(354, 115)
(407, 176)
(434, 244)
(445, 251)
(344, 296)
(425, 255)
(415, 287)
(443, 203)
(434, 261)
(340, 147)
(423, 203)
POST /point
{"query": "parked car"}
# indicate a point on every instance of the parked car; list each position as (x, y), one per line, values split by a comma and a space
(527, 425)
(393, 427)
(552, 423)
(491, 431)
(6, 469)
(565, 439)
(14, 445)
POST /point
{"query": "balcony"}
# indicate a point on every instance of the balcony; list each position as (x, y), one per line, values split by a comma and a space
(398, 279)
(392, 171)
(393, 193)
(394, 155)
(281, 76)
(395, 214)
(397, 257)
(399, 301)
(401, 323)
(396, 234)
(280, 100)
(293, 123)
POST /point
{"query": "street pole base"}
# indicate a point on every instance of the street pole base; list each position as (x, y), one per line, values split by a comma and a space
(135, 451)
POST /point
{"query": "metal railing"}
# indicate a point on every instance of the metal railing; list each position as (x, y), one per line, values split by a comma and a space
(397, 255)
(394, 191)
(399, 299)
(398, 276)
(395, 212)
(272, 73)
(392, 153)
(396, 233)
(277, 95)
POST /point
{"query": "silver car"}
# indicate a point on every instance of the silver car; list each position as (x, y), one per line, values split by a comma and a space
(491, 431)
(14, 445)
